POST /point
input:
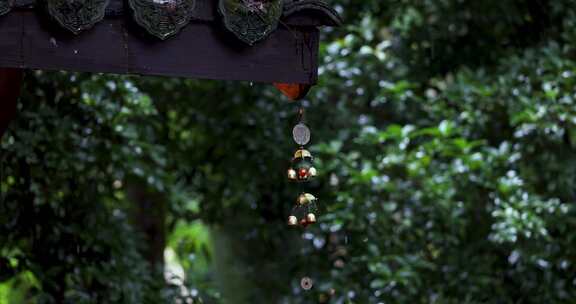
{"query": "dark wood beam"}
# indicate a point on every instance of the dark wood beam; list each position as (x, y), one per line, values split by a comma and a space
(10, 82)
(116, 45)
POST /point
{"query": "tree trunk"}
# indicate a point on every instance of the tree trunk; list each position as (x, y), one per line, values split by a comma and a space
(148, 214)
(10, 83)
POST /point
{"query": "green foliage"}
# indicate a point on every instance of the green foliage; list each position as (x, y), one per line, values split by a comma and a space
(62, 216)
(456, 187)
(444, 136)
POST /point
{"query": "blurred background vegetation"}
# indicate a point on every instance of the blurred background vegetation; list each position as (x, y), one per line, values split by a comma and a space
(445, 139)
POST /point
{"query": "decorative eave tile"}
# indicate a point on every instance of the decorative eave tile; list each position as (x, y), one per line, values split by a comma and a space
(77, 15)
(163, 18)
(5, 6)
(251, 20)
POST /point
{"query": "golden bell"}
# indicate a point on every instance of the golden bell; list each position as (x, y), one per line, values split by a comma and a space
(313, 172)
(292, 221)
(302, 154)
(305, 199)
(311, 198)
(291, 174)
(311, 218)
(302, 199)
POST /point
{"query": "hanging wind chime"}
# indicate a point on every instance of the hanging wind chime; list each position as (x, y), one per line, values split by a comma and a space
(265, 16)
(301, 171)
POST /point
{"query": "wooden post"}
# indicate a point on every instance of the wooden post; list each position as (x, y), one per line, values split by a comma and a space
(148, 215)
(10, 83)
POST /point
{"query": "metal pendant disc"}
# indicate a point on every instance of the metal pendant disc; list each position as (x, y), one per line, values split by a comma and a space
(301, 134)
(306, 283)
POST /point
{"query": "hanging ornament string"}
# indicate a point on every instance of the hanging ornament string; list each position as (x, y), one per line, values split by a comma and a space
(301, 171)
(302, 136)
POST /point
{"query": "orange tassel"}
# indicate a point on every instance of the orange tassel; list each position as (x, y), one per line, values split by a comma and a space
(294, 91)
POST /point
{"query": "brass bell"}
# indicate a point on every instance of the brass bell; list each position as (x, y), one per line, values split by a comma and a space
(302, 200)
(311, 218)
(292, 174)
(292, 221)
(302, 153)
(311, 198)
(306, 198)
(312, 172)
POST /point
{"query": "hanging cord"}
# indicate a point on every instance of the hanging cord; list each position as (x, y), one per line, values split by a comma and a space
(301, 118)
(308, 208)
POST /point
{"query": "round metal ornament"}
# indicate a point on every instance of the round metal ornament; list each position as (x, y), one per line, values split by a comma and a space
(306, 283)
(301, 134)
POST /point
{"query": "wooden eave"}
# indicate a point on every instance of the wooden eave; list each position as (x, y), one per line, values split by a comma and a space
(29, 39)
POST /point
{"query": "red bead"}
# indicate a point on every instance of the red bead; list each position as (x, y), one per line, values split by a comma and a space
(302, 173)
